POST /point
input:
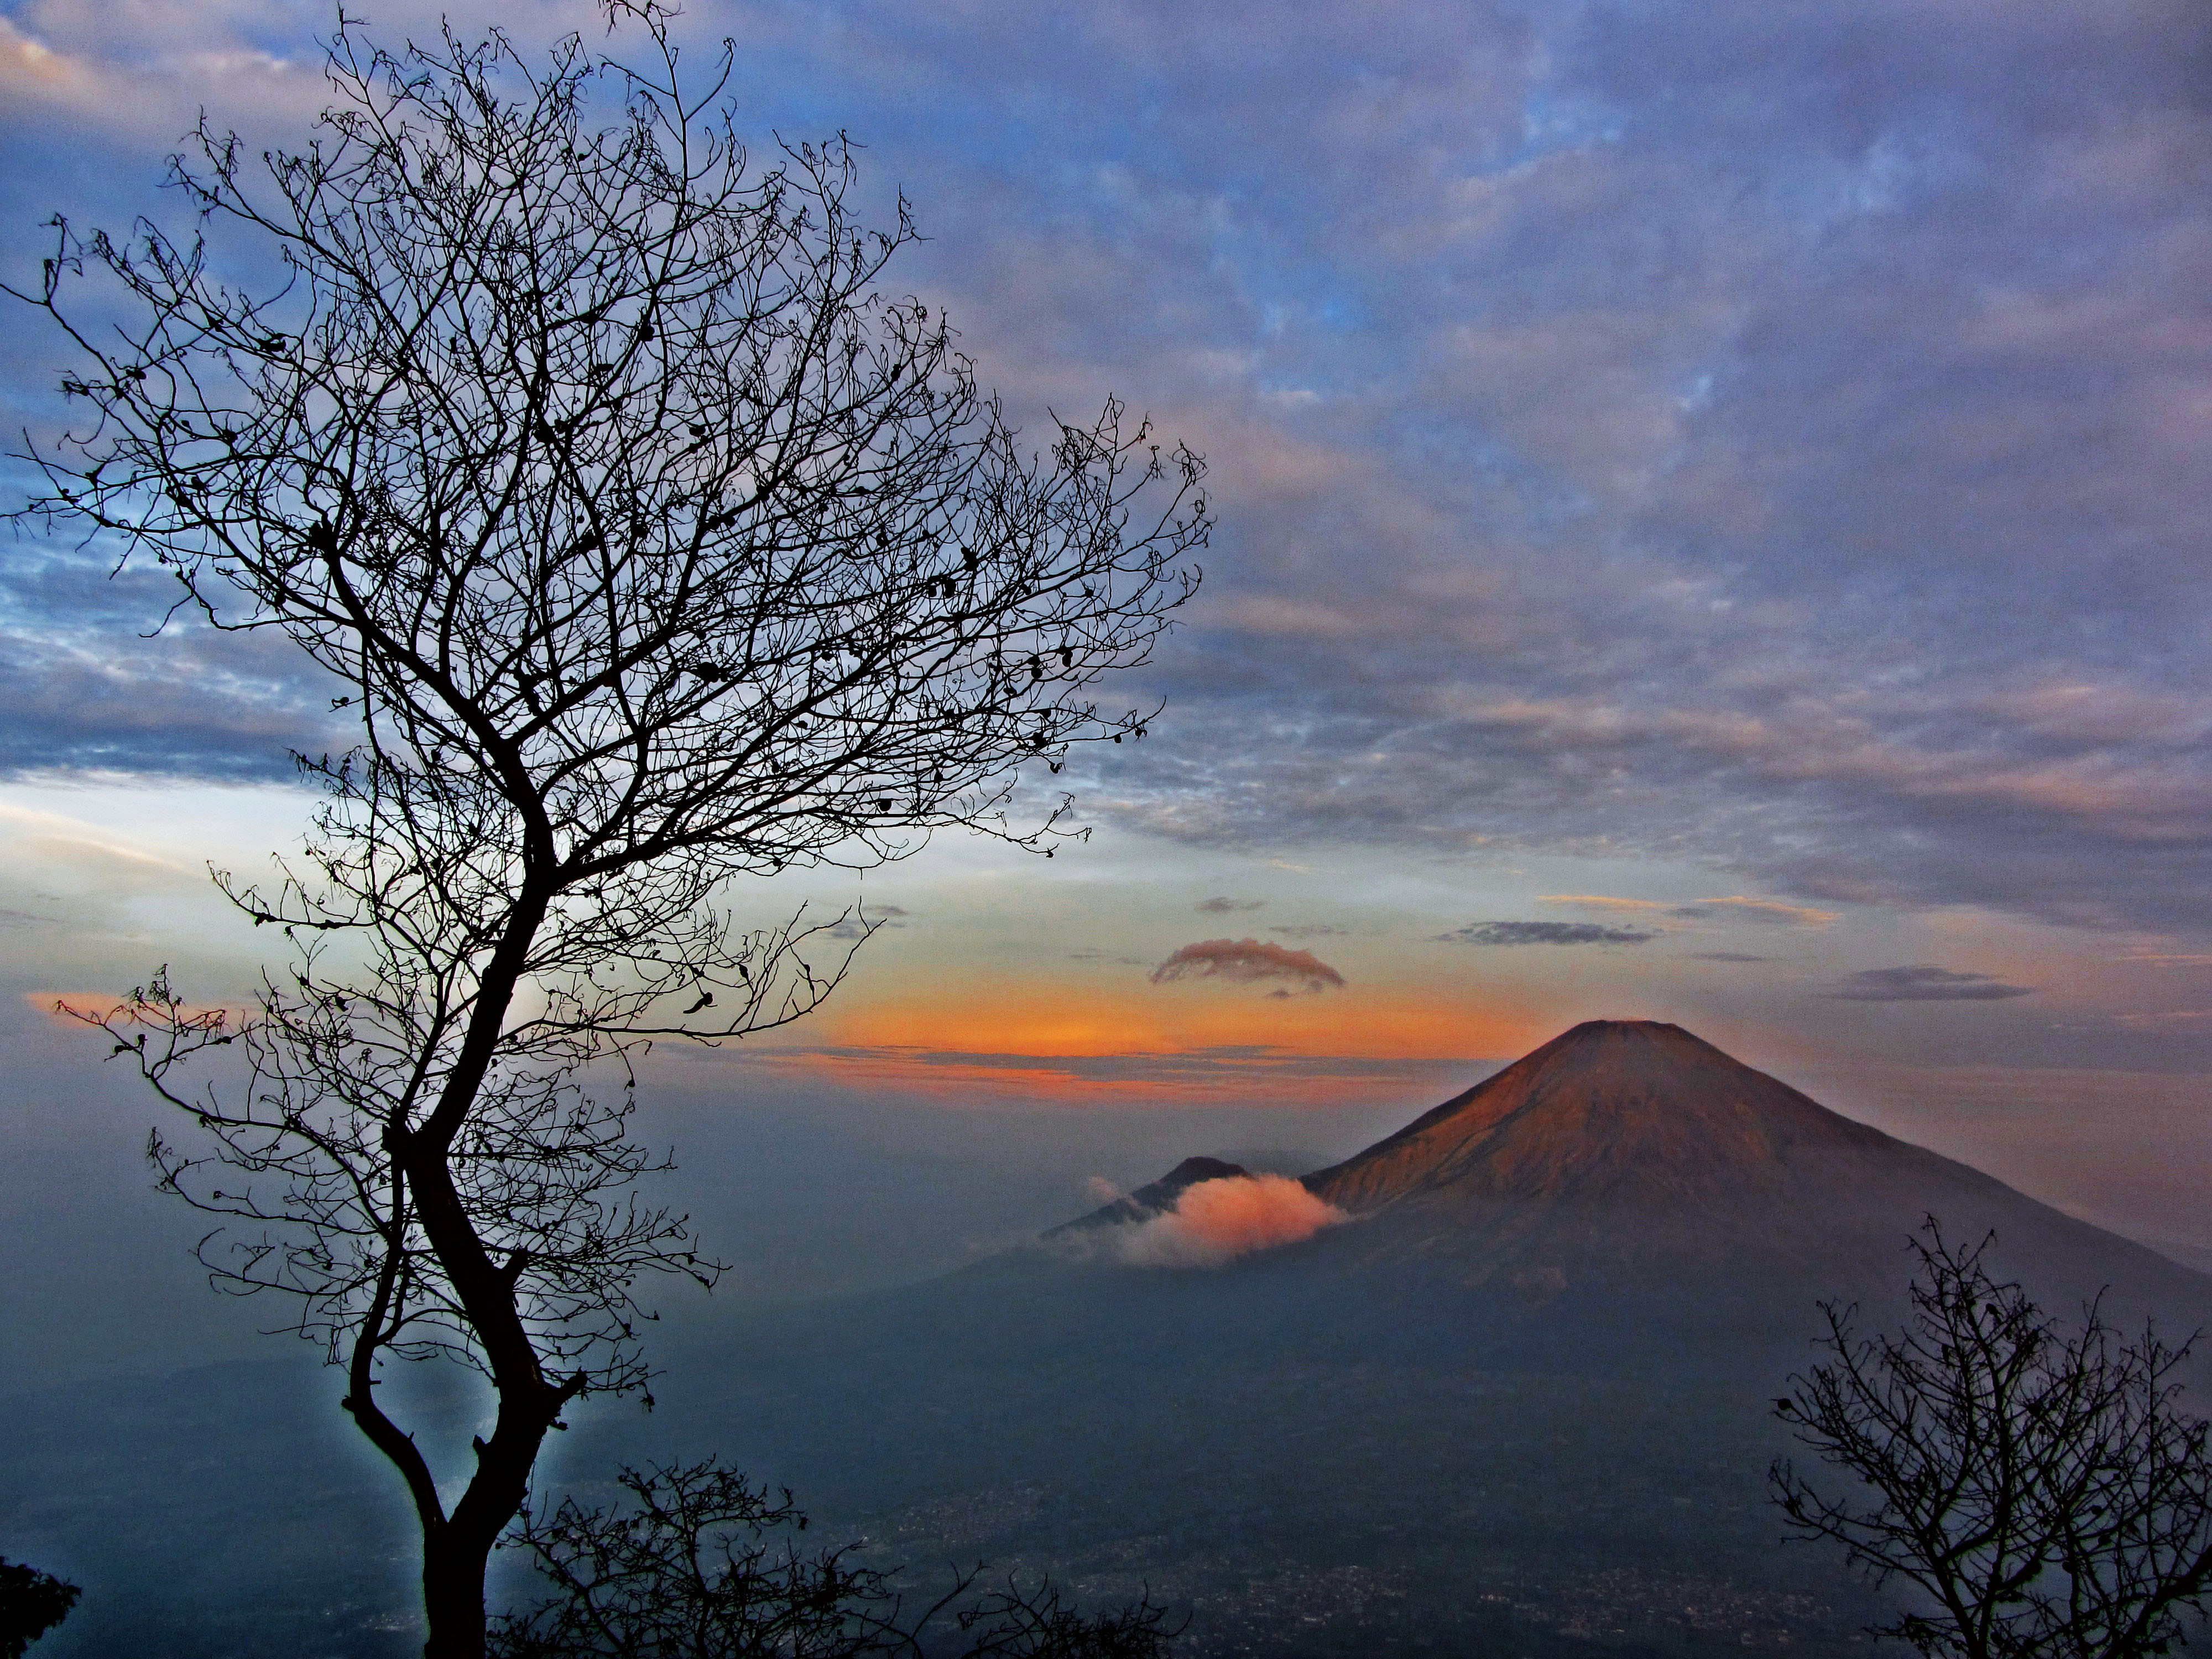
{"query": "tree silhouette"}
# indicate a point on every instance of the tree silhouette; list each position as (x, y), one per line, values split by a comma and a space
(651, 545)
(700, 1564)
(2042, 1490)
(30, 1604)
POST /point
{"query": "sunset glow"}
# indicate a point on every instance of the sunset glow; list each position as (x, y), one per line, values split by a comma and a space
(1173, 1043)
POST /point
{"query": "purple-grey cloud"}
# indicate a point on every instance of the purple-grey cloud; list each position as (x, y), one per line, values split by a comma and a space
(189, 703)
(1925, 984)
(1223, 906)
(1249, 961)
(1544, 932)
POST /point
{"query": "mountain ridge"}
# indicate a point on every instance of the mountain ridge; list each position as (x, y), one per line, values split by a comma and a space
(1153, 1198)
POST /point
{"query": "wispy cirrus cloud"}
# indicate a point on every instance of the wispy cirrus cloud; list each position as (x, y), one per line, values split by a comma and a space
(1737, 908)
(1770, 912)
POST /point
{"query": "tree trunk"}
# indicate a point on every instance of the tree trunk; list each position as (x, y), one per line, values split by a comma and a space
(454, 1596)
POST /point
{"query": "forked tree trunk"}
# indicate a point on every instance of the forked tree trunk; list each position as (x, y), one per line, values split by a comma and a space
(457, 1548)
(456, 1552)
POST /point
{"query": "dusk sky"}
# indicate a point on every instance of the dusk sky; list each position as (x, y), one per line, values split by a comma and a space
(1713, 505)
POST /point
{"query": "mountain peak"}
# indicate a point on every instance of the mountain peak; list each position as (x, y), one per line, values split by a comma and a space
(1154, 1197)
(1613, 1110)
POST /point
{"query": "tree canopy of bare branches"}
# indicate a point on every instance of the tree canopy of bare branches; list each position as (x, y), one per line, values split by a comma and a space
(2042, 1490)
(651, 542)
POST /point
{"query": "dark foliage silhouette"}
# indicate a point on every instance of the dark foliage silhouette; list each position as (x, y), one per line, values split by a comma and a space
(2042, 1490)
(652, 545)
(700, 1564)
(30, 1604)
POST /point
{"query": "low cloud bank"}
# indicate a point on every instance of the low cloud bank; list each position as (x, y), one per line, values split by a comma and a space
(1214, 1222)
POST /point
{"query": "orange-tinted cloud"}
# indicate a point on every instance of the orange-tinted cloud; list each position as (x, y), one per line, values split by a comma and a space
(77, 1011)
(1001, 1014)
(1248, 1074)
(1214, 1222)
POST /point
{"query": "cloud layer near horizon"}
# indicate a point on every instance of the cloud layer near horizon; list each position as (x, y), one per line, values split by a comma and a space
(1769, 434)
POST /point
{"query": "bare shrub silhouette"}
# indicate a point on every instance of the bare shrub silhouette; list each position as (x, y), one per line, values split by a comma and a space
(2043, 1491)
(700, 1564)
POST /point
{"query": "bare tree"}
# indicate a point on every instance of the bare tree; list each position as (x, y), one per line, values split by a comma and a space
(2043, 1491)
(700, 1564)
(651, 545)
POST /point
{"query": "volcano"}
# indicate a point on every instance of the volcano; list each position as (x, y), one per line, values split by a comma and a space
(1153, 1198)
(1632, 1155)
(1627, 1112)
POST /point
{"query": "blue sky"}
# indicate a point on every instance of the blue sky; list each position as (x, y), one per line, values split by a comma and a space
(1712, 511)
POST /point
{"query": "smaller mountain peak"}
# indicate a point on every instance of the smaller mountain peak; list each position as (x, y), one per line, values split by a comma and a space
(1154, 1197)
(1191, 1171)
